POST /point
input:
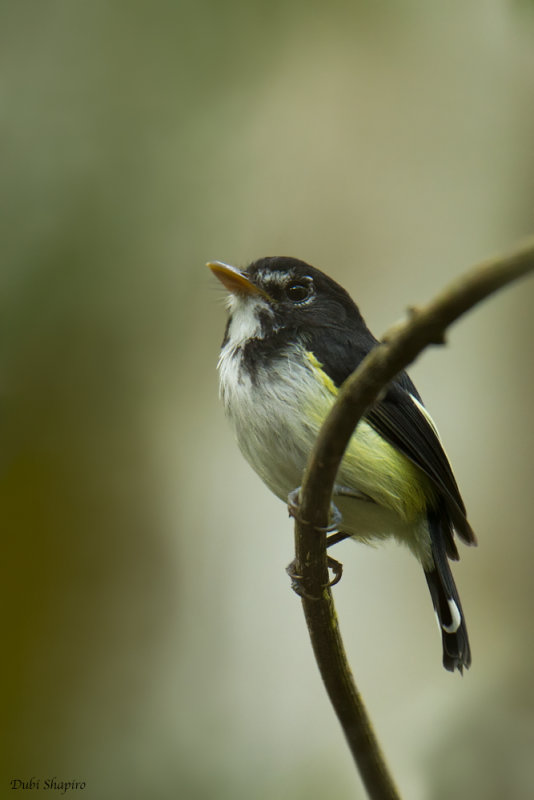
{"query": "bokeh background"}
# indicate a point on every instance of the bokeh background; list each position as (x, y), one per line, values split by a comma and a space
(152, 646)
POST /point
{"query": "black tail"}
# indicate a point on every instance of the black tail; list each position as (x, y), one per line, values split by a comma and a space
(456, 650)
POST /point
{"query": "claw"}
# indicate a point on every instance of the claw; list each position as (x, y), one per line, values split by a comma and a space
(298, 580)
(293, 505)
(337, 569)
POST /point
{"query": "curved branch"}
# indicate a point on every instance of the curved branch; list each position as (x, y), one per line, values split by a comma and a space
(399, 347)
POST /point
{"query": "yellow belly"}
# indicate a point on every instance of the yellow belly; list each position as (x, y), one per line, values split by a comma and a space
(372, 465)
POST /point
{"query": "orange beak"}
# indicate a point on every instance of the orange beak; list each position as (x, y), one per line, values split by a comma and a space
(234, 280)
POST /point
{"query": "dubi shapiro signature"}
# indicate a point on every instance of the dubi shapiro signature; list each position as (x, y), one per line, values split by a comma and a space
(46, 785)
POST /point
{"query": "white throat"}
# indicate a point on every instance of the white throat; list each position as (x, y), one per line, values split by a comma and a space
(244, 320)
(244, 326)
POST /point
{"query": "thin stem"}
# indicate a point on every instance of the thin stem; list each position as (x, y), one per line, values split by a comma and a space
(400, 346)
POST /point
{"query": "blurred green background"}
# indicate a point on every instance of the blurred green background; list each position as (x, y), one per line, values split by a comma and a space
(152, 646)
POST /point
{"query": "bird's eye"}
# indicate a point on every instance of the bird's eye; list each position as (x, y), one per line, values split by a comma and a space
(298, 292)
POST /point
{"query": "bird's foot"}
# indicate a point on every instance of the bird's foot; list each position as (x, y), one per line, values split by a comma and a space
(297, 580)
(293, 505)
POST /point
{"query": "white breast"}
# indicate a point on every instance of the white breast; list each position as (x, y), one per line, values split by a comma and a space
(267, 417)
(277, 417)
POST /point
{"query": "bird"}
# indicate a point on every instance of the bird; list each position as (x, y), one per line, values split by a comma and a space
(293, 336)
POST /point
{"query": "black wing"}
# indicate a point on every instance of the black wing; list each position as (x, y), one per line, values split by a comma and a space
(401, 422)
(396, 417)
